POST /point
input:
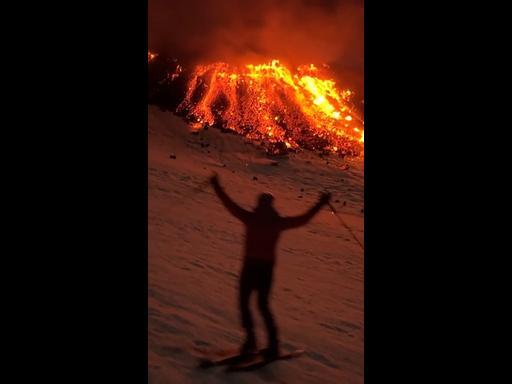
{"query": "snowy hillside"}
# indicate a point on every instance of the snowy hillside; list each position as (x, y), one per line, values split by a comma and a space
(195, 250)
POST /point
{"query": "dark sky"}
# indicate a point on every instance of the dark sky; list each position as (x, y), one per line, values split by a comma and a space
(293, 31)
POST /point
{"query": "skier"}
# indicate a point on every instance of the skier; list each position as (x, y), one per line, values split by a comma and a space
(263, 226)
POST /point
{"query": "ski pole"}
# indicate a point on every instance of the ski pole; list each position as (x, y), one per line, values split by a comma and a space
(345, 225)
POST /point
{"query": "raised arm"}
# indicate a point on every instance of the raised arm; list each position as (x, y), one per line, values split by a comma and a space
(297, 221)
(232, 207)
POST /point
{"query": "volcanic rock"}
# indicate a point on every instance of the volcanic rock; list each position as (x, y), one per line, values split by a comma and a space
(172, 156)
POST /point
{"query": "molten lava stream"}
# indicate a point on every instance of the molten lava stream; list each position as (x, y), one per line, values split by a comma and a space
(283, 109)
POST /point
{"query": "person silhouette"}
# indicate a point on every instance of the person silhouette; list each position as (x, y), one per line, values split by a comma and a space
(263, 227)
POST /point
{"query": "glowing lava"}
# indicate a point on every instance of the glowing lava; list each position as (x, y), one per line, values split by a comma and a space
(273, 105)
(151, 56)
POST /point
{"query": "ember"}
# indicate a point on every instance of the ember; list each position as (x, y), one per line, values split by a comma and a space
(284, 110)
(151, 56)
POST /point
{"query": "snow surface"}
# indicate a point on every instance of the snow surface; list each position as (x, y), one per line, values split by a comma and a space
(195, 250)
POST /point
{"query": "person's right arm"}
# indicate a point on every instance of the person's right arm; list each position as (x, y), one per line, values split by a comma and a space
(230, 205)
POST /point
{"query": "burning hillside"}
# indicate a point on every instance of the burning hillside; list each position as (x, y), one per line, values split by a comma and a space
(268, 103)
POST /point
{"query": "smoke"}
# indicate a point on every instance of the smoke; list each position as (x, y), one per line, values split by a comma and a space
(293, 31)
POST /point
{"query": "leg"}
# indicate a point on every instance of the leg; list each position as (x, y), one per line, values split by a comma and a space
(263, 304)
(245, 314)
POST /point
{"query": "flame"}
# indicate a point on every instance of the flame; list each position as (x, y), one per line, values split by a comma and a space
(268, 102)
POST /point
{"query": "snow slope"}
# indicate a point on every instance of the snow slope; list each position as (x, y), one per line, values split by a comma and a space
(195, 251)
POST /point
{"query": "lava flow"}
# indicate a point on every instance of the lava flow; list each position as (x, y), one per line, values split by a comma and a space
(270, 104)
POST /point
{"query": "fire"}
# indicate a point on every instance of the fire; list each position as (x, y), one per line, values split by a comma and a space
(272, 104)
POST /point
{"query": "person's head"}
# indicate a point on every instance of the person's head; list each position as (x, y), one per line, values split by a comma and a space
(265, 200)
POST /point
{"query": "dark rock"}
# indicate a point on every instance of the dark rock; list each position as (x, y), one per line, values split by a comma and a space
(300, 196)
(336, 201)
(344, 203)
(254, 178)
(277, 149)
(302, 189)
(362, 210)
(172, 156)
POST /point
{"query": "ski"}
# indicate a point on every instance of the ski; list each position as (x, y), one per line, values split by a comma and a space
(259, 361)
(205, 363)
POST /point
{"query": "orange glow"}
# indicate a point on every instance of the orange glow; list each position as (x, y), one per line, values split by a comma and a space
(268, 102)
(151, 56)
